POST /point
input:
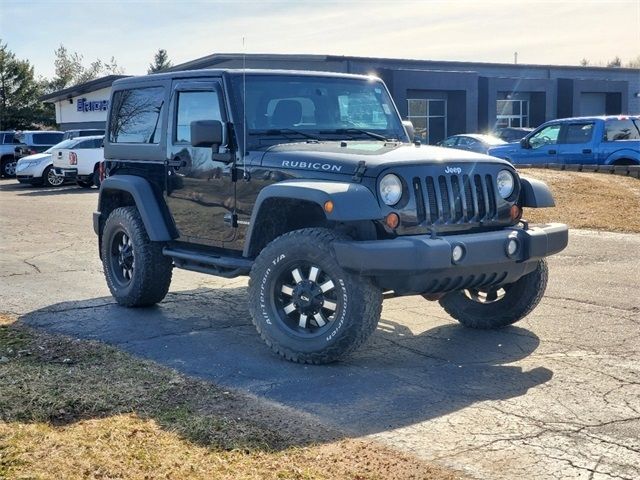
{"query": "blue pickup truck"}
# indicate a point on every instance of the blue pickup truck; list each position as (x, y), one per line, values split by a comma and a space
(610, 140)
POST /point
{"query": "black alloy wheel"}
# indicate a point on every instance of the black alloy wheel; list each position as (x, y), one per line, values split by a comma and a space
(122, 257)
(305, 298)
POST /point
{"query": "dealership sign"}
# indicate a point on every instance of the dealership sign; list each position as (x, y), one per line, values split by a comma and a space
(84, 105)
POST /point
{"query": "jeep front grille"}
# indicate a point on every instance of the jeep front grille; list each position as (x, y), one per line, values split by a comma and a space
(455, 198)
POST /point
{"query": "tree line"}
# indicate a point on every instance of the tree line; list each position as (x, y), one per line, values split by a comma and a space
(20, 89)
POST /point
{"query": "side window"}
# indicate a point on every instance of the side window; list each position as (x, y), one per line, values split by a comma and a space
(195, 105)
(467, 141)
(621, 130)
(547, 136)
(578, 133)
(98, 143)
(135, 115)
(449, 142)
(84, 144)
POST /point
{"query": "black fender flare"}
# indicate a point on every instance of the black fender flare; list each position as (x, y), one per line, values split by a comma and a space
(535, 194)
(146, 202)
(351, 201)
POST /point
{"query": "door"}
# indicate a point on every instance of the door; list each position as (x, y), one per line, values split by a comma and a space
(576, 143)
(200, 189)
(544, 146)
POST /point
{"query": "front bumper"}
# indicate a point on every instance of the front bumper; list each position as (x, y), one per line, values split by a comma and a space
(424, 264)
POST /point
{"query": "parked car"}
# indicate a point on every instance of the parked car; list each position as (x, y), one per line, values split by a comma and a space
(80, 162)
(37, 169)
(473, 142)
(8, 144)
(512, 134)
(83, 133)
(35, 141)
(583, 140)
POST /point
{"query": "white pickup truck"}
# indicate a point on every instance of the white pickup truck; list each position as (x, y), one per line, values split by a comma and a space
(81, 162)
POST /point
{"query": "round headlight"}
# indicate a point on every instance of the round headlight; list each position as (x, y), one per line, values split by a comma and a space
(390, 189)
(505, 182)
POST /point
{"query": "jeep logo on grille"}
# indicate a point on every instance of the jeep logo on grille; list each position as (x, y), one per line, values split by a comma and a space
(456, 170)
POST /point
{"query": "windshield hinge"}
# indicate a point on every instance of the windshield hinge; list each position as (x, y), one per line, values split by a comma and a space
(360, 169)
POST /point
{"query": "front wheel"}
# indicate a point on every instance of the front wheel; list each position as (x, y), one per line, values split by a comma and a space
(9, 168)
(499, 306)
(304, 305)
(50, 179)
(137, 272)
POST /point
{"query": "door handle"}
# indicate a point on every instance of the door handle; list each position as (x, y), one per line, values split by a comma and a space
(586, 150)
(552, 152)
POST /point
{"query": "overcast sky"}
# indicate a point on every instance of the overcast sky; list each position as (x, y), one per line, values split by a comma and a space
(543, 32)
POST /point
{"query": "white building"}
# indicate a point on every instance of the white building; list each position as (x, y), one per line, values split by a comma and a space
(83, 106)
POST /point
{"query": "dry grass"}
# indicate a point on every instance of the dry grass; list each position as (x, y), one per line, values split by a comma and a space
(589, 200)
(77, 409)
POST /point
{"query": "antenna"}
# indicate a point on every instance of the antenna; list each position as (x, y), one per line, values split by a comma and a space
(244, 110)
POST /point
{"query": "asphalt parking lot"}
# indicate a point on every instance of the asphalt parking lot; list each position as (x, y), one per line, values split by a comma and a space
(557, 396)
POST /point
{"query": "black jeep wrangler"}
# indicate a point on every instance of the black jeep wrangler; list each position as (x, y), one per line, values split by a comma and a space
(310, 184)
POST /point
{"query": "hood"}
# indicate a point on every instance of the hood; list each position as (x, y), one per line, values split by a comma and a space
(344, 157)
(35, 156)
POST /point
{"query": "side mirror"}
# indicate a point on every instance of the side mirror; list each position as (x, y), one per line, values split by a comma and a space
(524, 143)
(206, 133)
(408, 126)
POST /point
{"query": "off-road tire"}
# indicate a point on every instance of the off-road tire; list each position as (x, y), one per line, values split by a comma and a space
(354, 320)
(520, 298)
(152, 271)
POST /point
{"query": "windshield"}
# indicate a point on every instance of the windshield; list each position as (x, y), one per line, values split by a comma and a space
(322, 108)
(69, 143)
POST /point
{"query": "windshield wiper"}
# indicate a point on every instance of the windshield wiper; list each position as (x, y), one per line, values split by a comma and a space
(285, 131)
(348, 131)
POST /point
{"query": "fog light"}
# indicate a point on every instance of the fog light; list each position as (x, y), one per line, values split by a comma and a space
(512, 247)
(392, 220)
(457, 253)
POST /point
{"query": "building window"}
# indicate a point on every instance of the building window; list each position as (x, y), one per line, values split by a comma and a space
(512, 113)
(429, 118)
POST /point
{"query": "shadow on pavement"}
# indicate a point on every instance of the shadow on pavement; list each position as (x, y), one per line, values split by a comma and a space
(397, 379)
(33, 191)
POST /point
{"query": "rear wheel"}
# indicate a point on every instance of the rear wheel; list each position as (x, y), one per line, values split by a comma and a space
(50, 179)
(137, 272)
(304, 305)
(96, 177)
(500, 306)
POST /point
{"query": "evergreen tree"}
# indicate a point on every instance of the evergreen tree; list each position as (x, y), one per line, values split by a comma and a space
(20, 107)
(160, 62)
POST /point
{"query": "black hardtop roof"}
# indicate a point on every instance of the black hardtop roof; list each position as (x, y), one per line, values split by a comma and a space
(234, 71)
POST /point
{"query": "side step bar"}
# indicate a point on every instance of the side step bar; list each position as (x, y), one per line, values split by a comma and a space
(222, 266)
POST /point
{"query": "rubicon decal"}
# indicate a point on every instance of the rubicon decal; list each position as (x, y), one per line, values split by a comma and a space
(456, 170)
(326, 167)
